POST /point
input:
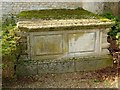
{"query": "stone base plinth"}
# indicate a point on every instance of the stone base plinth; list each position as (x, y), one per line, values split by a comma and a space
(63, 66)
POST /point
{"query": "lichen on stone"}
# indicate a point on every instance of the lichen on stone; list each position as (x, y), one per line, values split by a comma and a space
(58, 14)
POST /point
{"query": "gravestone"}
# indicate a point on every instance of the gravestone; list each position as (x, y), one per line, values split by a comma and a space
(63, 45)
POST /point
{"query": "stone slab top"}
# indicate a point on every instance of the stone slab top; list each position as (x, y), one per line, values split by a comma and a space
(38, 24)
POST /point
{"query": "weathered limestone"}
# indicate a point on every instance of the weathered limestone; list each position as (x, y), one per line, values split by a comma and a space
(59, 46)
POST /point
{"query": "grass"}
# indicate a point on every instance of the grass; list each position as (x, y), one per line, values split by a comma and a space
(78, 13)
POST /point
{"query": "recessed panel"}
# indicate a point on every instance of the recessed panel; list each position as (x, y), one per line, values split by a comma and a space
(48, 44)
(81, 42)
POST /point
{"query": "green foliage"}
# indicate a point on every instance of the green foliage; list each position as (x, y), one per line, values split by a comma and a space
(77, 13)
(8, 20)
(116, 28)
(9, 39)
(109, 16)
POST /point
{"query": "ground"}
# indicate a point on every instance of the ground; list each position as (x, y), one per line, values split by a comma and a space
(105, 78)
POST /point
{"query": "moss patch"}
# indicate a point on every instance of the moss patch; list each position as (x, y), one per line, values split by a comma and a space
(58, 14)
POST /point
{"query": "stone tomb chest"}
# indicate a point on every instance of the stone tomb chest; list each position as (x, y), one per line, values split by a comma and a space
(58, 46)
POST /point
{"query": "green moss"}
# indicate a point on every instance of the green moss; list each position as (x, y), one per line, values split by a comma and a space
(57, 14)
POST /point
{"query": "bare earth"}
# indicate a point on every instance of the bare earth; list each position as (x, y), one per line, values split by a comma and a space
(105, 78)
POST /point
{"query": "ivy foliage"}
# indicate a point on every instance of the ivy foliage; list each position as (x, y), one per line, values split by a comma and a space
(115, 30)
(9, 38)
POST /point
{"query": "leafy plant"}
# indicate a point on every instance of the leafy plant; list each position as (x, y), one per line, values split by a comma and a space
(9, 38)
(109, 15)
(9, 20)
(114, 34)
(9, 46)
(116, 28)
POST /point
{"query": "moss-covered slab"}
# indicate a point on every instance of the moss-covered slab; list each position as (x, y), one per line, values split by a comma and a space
(49, 14)
(52, 18)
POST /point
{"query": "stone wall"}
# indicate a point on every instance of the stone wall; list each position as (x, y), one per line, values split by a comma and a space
(16, 7)
(113, 7)
(95, 7)
(103, 7)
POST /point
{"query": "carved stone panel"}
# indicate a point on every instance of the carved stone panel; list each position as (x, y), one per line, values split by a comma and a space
(47, 44)
(81, 42)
